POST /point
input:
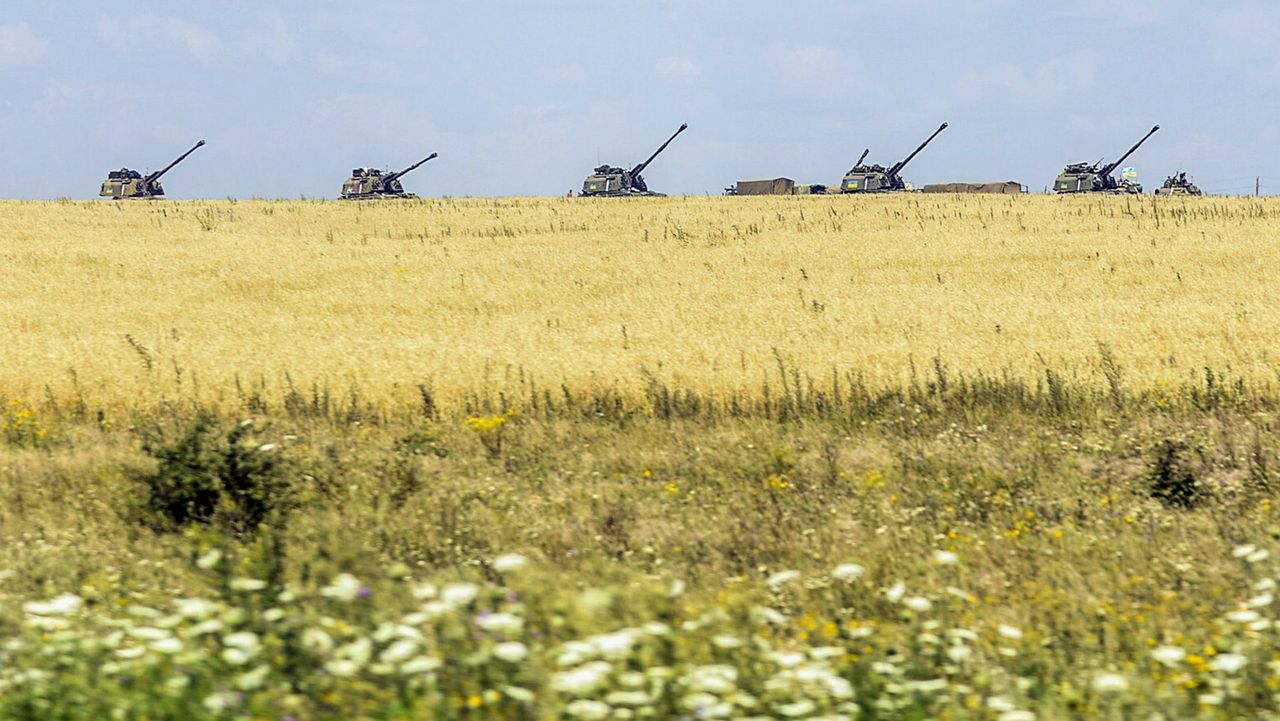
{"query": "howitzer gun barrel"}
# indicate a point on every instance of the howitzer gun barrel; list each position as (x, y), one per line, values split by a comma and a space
(898, 168)
(640, 168)
(156, 175)
(396, 176)
(860, 159)
(1107, 170)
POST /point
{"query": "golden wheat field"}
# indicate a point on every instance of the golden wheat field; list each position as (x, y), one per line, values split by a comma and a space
(709, 292)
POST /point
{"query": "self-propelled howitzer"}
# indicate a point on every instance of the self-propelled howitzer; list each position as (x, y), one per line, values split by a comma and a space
(609, 181)
(128, 184)
(877, 178)
(1097, 178)
(371, 183)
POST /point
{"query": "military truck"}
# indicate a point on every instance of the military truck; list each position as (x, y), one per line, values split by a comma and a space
(878, 179)
(774, 186)
(373, 184)
(612, 182)
(126, 184)
(1178, 184)
(1098, 178)
(1007, 187)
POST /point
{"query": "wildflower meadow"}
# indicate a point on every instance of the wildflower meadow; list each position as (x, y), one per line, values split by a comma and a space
(1009, 459)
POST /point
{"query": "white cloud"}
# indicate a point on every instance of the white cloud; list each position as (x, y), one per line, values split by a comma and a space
(57, 98)
(147, 31)
(678, 67)
(19, 46)
(819, 69)
(1052, 83)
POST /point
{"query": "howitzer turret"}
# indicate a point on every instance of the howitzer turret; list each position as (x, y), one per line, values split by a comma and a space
(609, 181)
(1178, 184)
(877, 178)
(371, 183)
(127, 184)
(1098, 178)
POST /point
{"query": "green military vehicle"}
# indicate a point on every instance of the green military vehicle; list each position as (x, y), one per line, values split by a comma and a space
(877, 178)
(373, 184)
(1098, 178)
(1178, 184)
(611, 182)
(126, 184)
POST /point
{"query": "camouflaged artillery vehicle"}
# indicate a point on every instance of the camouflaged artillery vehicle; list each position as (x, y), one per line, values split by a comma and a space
(372, 183)
(610, 182)
(1178, 184)
(128, 184)
(1097, 178)
(877, 178)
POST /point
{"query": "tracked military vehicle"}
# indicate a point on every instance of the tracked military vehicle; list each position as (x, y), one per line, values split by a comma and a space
(372, 183)
(610, 182)
(1097, 178)
(130, 184)
(877, 178)
(1178, 184)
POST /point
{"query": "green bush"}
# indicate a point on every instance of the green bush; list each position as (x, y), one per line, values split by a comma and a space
(211, 475)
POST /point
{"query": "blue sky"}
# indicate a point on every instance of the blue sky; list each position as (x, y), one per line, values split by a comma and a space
(524, 98)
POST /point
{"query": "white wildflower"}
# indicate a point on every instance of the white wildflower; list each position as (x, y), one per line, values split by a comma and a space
(588, 710)
(317, 641)
(895, 592)
(582, 680)
(1245, 550)
(1210, 699)
(848, 572)
(500, 623)
(1169, 655)
(614, 645)
(247, 584)
(62, 605)
(458, 595)
(919, 604)
(344, 588)
(945, 558)
(221, 701)
(237, 656)
(781, 578)
(509, 563)
(796, 709)
(1016, 715)
(421, 664)
(511, 651)
(251, 680)
(1243, 616)
(1264, 599)
(1228, 662)
(628, 698)
(1010, 632)
(148, 633)
(1110, 683)
(168, 645)
(195, 607)
(523, 695)
(247, 640)
(770, 616)
(1258, 556)
(209, 559)
(425, 591)
(400, 651)
(342, 667)
(1000, 704)
(959, 654)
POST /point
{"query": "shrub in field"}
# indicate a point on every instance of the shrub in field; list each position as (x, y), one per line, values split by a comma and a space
(207, 474)
(1172, 480)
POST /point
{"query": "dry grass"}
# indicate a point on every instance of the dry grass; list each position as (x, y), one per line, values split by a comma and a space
(481, 294)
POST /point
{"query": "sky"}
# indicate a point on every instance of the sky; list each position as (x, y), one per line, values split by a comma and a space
(526, 98)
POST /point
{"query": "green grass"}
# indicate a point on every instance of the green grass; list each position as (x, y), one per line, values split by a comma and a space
(961, 547)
